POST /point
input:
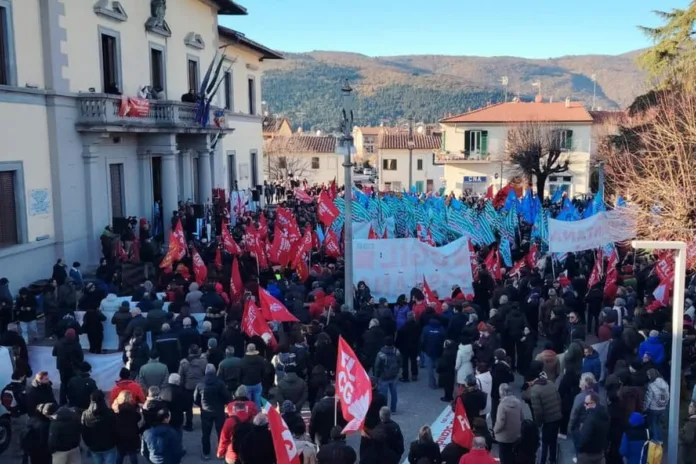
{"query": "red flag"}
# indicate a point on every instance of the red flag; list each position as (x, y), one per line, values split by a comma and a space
(287, 222)
(596, 274)
(661, 294)
(280, 250)
(274, 310)
(461, 428)
(253, 323)
(664, 268)
(218, 258)
(517, 268)
(532, 257)
(302, 196)
(199, 268)
(333, 189)
(326, 210)
(228, 242)
(353, 387)
(493, 264)
(236, 284)
(283, 443)
(473, 259)
(180, 241)
(252, 240)
(489, 192)
(428, 293)
(372, 235)
(263, 226)
(612, 273)
(332, 245)
(169, 258)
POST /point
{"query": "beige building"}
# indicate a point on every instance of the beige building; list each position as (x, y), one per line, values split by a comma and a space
(365, 141)
(76, 154)
(474, 145)
(311, 157)
(274, 126)
(397, 150)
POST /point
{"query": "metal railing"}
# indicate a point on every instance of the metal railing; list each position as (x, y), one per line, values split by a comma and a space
(462, 156)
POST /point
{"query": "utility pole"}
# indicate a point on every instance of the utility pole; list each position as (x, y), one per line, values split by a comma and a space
(594, 90)
(411, 145)
(347, 146)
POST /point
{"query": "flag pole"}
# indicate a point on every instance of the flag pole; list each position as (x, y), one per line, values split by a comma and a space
(335, 410)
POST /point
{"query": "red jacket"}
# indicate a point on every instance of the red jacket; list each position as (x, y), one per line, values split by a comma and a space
(237, 412)
(418, 309)
(129, 385)
(478, 456)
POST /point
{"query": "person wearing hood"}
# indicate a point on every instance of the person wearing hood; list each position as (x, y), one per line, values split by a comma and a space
(120, 320)
(687, 438)
(35, 436)
(292, 388)
(655, 403)
(191, 372)
(446, 370)
(653, 349)
(463, 363)
(193, 299)
(500, 373)
(432, 342)
(69, 356)
(98, 427)
(634, 439)
(211, 396)
(593, 437)
(81, 387)
(508, 423)
(387, 365)
(401, 310)
(64, 436)
(373, 341)
(239, 411)
(546, 411)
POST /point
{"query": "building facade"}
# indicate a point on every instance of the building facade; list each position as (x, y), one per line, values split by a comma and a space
(474, 145)
(304, 157)
(78, 154)
(397, 150)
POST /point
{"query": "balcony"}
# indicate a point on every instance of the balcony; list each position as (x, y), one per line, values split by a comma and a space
(101, 113)
(448, 157)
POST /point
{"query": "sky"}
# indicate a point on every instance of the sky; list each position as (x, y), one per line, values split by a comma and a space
(524, 28)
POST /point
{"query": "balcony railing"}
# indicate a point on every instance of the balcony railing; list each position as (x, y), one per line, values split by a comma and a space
(102, 112)
(462, 156)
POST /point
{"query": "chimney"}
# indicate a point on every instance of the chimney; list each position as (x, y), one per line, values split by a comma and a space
(538, 98)
(567, 105)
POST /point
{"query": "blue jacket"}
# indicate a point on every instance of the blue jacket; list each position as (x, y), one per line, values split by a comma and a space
(433, 338)
(634, 440)
(654, 348)
(161, 445)
(275, 291)
(77, 277)
(401, 313)
(592, 364)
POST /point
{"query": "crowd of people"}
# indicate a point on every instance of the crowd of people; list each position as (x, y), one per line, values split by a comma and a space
(481, 350)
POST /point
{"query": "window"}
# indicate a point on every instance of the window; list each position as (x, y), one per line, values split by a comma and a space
(476, 142)
(157, 68)
(388, 186)
(419, 165)
(252, 95)
(389, 164)
(110, 61)
(229, 95)
(282, 163)
(564, 139)
(429, 185)
(253, 155)
(563, 183)
(193, 75)
(419, 186)
(232, 170)
(315, 162)
(11, 205)
(370, 148)
(7, 62)
(116, 183)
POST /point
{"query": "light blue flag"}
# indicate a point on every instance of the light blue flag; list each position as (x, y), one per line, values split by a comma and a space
(620, 202)
(505, 252)
(320, 234)
(557, 196)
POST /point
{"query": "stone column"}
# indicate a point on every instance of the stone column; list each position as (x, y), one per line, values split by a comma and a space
(187, 174)
(169, 190)
(205, 182)
(147, 194)
(98, 210)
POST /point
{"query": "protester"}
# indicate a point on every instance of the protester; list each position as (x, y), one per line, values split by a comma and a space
(153, 373)
(424, 448)
(69, 357)
(81, 387)
(386, 370)
(127, 430)
(191, 372)
(125, 383)
(593, 435)
(211, 396)
(64, 436)
(655, 403)
(176, 400)
(252, 371)
(161, 444)
(98, 429)
(508, 424)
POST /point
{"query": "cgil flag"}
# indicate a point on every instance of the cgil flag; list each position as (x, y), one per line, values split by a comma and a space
(353, 387)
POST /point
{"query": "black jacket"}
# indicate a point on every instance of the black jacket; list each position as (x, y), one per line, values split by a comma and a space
(68, 353)
(229, 371)
(337, 452)
(501, 373)
(393, 436)
(253, 369)
(38, 394)
(35, 440)
(175, 397)
(64, 432)
(372, 417)
(92, 323)
(408, 339)
(474, 401)
(127, 430)
(98, 429)
(430, 451)
(211, 395)
(253, 444)
(120, 319)
(26, 308)
(322, 419)
(594, 433)
(373, 341)
(169, 350)
(79, 390)
(456, 325)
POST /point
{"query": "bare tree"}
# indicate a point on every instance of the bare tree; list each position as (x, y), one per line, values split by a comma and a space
(537, 150)
(285, 157)
(651, 163)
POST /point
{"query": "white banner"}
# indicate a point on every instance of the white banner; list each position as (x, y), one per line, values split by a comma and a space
(361, 230)
(391, 267)
(105, 367)
(593, 232)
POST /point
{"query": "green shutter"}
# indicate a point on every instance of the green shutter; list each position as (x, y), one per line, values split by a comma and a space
(419, 186)
(569, 140)
(484, 142)
(466, 141)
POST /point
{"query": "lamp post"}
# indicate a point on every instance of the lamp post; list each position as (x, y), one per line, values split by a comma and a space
(411, 146)
(346, 147)
(677, 333)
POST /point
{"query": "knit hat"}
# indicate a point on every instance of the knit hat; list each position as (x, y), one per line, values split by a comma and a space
(636, 419)
(125, 304)
(212, 343)
(287, 407)
(483, 327)
(70, 333)
(241, 392)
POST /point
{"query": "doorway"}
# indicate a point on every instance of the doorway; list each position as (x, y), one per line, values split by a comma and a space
(157, 179)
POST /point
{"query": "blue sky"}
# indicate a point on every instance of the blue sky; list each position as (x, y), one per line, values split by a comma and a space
(531, 28)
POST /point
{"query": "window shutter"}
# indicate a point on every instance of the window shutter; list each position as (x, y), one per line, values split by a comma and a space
(8, 209)
(569, 140)
(385, 164)
(484, 142)
(466, 141)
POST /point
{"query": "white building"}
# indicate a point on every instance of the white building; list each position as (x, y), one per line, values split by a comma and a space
(310, 157)
(72, 161)
(397, 150)
(474, 145)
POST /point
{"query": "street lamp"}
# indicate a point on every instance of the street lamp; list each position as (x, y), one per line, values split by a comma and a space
(346, 148)
(677, 333)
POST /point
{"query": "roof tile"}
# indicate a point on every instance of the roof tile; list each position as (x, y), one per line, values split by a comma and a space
(302, 144)
(516, 112)
(400, 141)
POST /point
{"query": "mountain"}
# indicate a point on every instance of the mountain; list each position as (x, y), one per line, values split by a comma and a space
(305, 87)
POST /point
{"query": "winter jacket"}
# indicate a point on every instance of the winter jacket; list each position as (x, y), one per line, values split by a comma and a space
(322, 420)
(478, 456)
(79, 389)
(169, 350)
(656, 395)
(64, 431)
(98, 429)
(634, 439)
(424, 450)
(238, 412)
(127, 432)
(373, 341)
(211, 395)
(501, 373)
(161, 445)
(252, 370)
(193, 299)
(546, 402)
(408, 338)
(229, 371)
(192, 370)
(131, 386)
(433, 338)
(446, 366)
(593, 437)
(292, 388)
(336, 452)
(463, 363)
(401, 313)
(508, 423)
(515, 322)
(474, 402)
(26, 308)
(155, 318)
(37, 394)
(552, 366)
(577, 412)
(592, 364)
(136, 354)
(485, 383)
(110, 304)
(92, 323)
(134, 323)
(35, 440)
(153, 374)
(120, 320)
(176, 399)
(394, 439)
(387, 364)
(654, 348)
(687, 440)
(188, 336)
(68, 353)
(485, 347)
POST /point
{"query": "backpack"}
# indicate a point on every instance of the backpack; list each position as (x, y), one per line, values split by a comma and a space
(652, 452)
(390, 367)
(14, 399)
